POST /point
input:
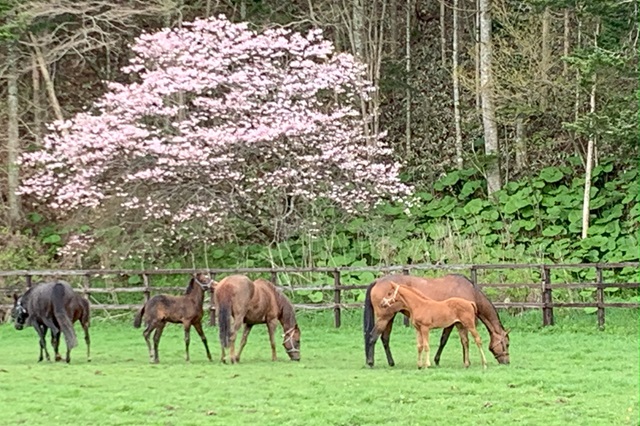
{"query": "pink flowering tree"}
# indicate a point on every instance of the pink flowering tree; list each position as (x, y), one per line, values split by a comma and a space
(220, 125)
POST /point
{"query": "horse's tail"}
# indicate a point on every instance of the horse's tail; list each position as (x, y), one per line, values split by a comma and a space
(368, 322)
(224, 322)
(137, 320)
(62, 316)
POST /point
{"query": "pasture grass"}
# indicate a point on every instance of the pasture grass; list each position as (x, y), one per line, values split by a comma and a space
(567, 374)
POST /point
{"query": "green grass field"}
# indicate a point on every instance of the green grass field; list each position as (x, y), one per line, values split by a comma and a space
(567, 374)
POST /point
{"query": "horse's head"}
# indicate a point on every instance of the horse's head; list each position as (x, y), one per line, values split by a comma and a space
(292, 343)
(203, 280)
(19, 312)
(499, 346)
(391, 296)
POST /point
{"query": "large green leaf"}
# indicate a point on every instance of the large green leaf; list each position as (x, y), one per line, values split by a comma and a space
(551, 174)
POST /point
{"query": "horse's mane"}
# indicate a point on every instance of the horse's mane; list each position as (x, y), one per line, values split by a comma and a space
(286, 308)
(190, 286)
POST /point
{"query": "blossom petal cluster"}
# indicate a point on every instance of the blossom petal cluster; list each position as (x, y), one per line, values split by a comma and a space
(217, 116)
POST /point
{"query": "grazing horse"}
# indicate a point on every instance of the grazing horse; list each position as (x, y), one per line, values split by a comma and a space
(426, 314)
(250, 303)
(185, 310)
(47, 306)
(378, 320)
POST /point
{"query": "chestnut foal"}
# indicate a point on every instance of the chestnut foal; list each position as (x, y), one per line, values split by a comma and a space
(426, 314)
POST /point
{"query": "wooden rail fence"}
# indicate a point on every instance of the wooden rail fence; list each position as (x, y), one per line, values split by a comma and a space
(546, 287)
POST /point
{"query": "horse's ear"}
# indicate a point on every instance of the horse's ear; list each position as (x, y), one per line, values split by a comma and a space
(15, 297)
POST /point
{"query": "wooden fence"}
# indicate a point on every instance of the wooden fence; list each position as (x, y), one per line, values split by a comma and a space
(545, 286)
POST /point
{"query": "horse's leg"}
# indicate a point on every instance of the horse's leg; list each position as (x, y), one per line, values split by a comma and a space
(386, 335)
(147, 333)
(476, 337)
(156, 341)
(187, 338)
(464, 341)
(243, 341)
(87, 340)
(55, 331)
(55, 343)
(234, 333)
(425, 340)
(41, 329)
(198, 326)
(271, 327)
(446, 332)
(379, 327)
(419, 346)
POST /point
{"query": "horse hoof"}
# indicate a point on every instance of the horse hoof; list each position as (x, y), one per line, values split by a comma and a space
(392, 364)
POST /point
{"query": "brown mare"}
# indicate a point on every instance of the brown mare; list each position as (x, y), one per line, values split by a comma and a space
(426, 314)
(378, 321)
(79, 310)
(251, 303)
(185, 310)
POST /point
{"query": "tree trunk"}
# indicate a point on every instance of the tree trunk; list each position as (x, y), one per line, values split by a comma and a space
(591, 145)
(407, 131)
(13, 141)
(521, 147)
(476, 48)
(443, 38)
(36, 99)
(546, 58)
(491, 147)
(358, 29)
(51, 91)
(456, 87)
(566, 42)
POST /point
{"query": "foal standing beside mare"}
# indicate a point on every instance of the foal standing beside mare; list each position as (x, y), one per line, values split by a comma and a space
(378, 320)
(250, 303)
(79, 310)
(47, 306)
(426, 314)
(185, 310)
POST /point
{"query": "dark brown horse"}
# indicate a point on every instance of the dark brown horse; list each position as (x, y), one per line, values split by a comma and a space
(250, 303)
(185, 310)
(427, 313)
(378, 321)
(79, 310)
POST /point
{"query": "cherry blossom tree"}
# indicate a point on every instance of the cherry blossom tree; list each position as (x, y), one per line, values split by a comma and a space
(219, 124)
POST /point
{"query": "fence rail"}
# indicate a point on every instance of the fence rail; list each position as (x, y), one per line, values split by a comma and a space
(545, 286)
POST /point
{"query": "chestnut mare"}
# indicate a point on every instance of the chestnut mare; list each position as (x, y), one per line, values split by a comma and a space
(185, 310)
(251, 303)
(378, 321)
(427, 313)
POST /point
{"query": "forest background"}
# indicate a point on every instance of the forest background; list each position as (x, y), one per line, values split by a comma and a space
(502, 112)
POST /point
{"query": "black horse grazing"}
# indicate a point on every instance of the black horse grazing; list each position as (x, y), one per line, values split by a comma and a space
(48, 306)
(185, 310)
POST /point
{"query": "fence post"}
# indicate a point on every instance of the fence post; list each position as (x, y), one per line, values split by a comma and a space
(147, 290)
(212, 305)
(336, 298)
(474, 275)
(274, 278)
(86, 286)
(28, 279)
(405, 271)
(547, 298)
(600, 298)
